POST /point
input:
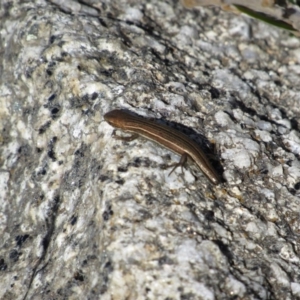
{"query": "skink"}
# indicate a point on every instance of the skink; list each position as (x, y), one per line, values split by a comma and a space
(166, 136)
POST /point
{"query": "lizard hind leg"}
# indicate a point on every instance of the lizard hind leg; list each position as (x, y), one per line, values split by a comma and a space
(181, 163)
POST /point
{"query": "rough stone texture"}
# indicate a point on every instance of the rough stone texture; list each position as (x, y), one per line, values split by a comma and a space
(87, 216)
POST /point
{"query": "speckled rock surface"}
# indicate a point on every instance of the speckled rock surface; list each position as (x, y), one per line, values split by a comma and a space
(86, 216)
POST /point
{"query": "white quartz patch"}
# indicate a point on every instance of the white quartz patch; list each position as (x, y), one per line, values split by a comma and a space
(224, 79)
(292, 141)
(133, 14)
(239, 149)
